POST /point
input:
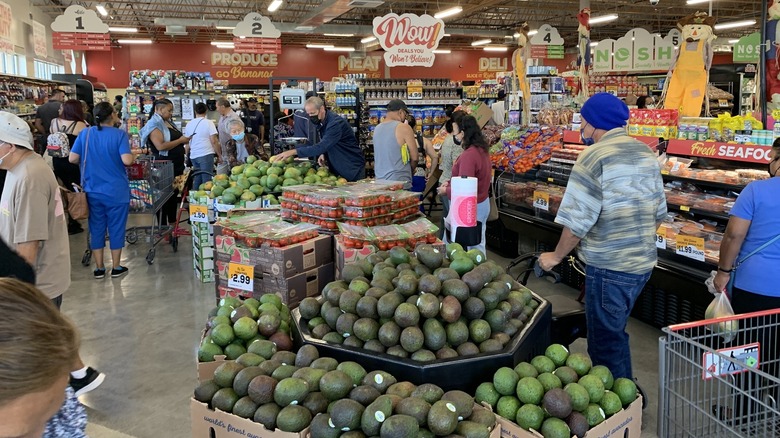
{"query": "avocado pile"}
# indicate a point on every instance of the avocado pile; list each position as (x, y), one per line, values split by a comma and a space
(291, 392)
(559, 394)
(424, 306)
(256, 178)
(235, 326)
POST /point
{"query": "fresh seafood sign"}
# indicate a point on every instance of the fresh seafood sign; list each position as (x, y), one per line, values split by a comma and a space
(408, 39)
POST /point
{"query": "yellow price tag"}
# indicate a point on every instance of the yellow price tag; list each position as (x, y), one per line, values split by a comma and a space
(542, 200)
(414, 92)
(241, 277)
(664, 172)
(550, 179)
(199, 213)
(660, 238)
(691, 247)
(685, 208)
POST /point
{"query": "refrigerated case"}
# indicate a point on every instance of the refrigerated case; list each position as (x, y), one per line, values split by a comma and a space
(88, 88)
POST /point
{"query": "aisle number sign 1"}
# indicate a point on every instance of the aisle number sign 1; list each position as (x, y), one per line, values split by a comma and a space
(542, 200)
(691, 247)
(241, 277)
(199, 213)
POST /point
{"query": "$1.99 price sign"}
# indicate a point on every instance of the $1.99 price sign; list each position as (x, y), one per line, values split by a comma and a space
(241, 277)
(691, 247)
(542, 201)
(199, 213)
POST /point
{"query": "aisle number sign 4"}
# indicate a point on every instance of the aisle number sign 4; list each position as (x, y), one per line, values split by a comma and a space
(241, 277)
(542, 201)
(199, 213)
(691, 247)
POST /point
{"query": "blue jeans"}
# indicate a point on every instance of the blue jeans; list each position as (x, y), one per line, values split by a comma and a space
(204, 164)
(609, 298)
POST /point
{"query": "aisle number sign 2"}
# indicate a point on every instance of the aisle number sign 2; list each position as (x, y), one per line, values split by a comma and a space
(241, 277)
(256, 34)
(691, 247)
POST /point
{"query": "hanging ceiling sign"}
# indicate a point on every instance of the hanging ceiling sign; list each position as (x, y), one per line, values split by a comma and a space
(408, 39)
(6, 45)
(79, 28)
(547, 43)
(748, 49)
(39, 39)
(257, 34)
(638, 50)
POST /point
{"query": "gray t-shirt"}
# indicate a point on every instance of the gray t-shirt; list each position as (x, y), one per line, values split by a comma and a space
(31, 209)
(48, 112)
(388, 162)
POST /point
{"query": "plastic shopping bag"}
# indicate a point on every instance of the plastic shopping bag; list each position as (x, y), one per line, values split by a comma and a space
(721, 307)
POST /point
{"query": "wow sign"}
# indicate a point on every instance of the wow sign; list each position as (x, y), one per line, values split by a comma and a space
(408, 39)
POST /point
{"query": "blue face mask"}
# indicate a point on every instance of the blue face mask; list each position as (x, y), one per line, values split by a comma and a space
(587, 141)
(238, 137)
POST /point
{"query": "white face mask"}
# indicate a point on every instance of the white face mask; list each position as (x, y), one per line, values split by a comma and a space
(3, 157)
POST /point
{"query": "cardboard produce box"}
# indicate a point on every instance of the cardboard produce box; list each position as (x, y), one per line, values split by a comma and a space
(483, 114)
(292, 290)
(208, 423)
(626, 423)
(284, 262)
(344, 255)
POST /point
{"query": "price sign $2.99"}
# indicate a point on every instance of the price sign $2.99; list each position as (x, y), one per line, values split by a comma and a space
(241, 277)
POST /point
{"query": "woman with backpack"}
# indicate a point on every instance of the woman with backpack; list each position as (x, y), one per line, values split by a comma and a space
(62, 136)
(103, 152)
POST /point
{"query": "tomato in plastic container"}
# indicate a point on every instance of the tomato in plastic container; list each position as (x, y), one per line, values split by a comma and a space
(403, 199)
(366, 212)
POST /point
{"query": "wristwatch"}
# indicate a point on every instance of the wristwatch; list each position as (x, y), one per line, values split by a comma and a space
(728, 271)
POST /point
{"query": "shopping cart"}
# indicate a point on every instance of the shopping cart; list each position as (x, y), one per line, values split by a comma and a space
(709, 388)
(151, 185)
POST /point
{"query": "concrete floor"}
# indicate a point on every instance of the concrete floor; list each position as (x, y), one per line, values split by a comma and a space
(142, 331)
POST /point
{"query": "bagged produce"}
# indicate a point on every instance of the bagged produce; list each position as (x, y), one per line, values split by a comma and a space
(720, 307)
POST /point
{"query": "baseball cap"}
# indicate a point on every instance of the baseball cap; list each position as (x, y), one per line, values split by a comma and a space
(397, 105)
(15, 131)
(252, 100)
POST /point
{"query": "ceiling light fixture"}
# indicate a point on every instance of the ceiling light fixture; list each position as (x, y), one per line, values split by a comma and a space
(225, 27)
(318, 46)
(134, 41)
(603, 18)
(530, 33)
(123, 29)
(305, 28)
(448, 34)
(733, 41)
(339, 49)
(226, 46)
(340, 35)
(495, 49)
(448, 12)
(217, 43)
(442, 51)
(735, 24)
(481, 42)
(274, 5)
(102, 10)
(368, 39)
(594, 44)
(697, 2)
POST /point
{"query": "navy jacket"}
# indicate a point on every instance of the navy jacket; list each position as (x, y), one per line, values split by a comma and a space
(302, 127)
(340, 146)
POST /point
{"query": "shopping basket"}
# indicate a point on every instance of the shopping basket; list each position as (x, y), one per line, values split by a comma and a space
(709, 388)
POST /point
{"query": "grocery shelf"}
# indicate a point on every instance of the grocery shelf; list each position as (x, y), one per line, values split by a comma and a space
(698, 212)
(713, 184)
(412, 102)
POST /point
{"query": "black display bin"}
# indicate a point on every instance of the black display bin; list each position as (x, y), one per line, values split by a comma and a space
(463, 373)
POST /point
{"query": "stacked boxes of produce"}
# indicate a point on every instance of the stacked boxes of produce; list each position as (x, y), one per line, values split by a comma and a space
(202, 219)
(522, 149)
(726, 129)
(361, 204)
(260, 254)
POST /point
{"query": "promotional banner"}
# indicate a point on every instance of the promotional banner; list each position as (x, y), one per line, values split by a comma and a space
(748, 49)
(257, 34)
(6, 45)
(39, 39)
(408, 39)
(638, 50)
(79, 28)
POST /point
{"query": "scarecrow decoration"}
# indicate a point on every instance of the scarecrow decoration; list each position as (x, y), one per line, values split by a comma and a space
(583, 55)
(686, 83)
(519, 61)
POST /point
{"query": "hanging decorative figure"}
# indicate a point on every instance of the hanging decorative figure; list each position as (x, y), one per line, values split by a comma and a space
(520, 59)
(583, 55)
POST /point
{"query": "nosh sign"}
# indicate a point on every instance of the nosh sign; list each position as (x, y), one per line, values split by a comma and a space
(408, 39)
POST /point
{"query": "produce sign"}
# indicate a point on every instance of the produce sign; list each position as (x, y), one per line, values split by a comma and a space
(542, 200)
(79, 28)
(199, 213)
(724, 151)
(241, 277)
(409, 39)
(521, 149)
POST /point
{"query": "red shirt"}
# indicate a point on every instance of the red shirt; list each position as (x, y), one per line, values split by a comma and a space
(474, 162)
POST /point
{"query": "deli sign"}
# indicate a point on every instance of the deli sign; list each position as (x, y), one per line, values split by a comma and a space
(409, 39)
